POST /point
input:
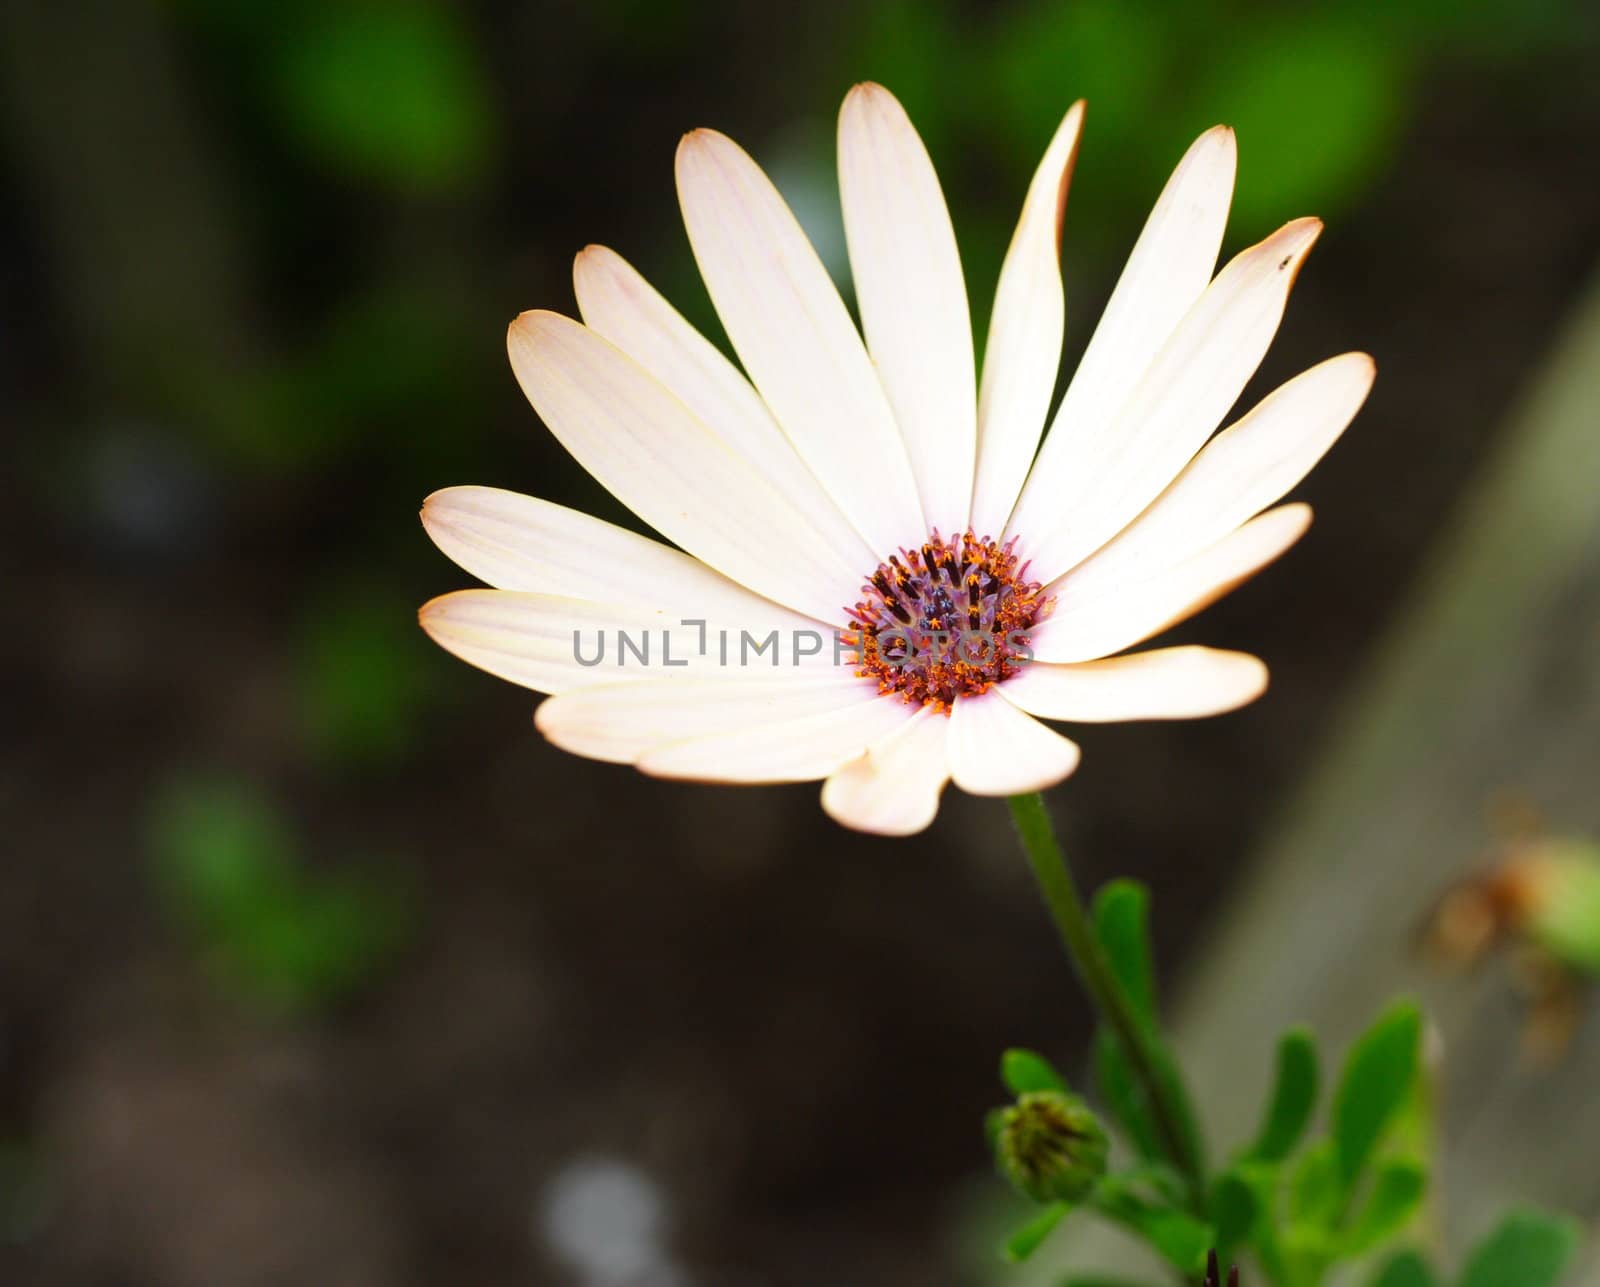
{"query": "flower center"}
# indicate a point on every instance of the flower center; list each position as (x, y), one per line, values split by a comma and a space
(945, 619)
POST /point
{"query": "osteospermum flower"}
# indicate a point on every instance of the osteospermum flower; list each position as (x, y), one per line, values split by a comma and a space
(924, 583)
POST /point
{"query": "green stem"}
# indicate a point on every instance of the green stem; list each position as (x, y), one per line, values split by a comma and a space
(1077, 933)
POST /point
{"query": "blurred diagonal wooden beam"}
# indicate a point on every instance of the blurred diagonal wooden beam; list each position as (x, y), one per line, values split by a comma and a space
(1489, 683)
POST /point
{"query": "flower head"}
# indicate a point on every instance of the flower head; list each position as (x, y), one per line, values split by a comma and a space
(889, 572)
(1051, 1146)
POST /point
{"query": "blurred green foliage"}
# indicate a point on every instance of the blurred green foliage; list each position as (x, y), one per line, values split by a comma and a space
(371, 136)
(273, 931)
(1122, 921)
(24, 1190)
(383, 359)
(1301, 1210)
(1528, 1248)
(1320, 96)
(391, 91)
(397, 99)
(364, 675)
(387, 91)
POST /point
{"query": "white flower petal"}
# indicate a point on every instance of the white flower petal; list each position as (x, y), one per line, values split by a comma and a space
(516, 542)
(646, 448)
(1169, 267)
(1241, 471)
(539, 640)
(1023, 353)
(1166, 683)
(1083, 495)
(554, 644)
(798, 749)
(795, 338)
(1107, 619)
(912, 298)
(997, 749)
(618, 304)
(893, 788)
(620, 722)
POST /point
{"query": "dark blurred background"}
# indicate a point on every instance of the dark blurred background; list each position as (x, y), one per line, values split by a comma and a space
(316, 964)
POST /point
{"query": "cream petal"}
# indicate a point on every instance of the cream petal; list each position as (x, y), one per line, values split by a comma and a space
(620, 305)
(540, 641)
(1167, 271)
(1111, 618)
(1165, 683)
(620, 722)
(893, 788)
(798, 749)
(912, 298)
(997, 749)
(554, 644)
(516, 542)
(1084, 495)
(1023, 353)
(795, 338)
(1237, 474)
(646, 448)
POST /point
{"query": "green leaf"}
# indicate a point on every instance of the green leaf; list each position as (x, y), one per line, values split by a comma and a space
(1306, 1252)
(1529, 1248)
(1121, 919)
(1378, 1076)
(1407, 1269)
(1121, 922)
(1026, 1240)
(1314, 1187)
(1123, 1096)
(1171, 1078)
(1395, 1197)
(1264, 1181)
(1024, 1071)
(1233, 1209)
(1294, 1097)
(1096, 1280)
(1158, 1178)
(1175, 1235)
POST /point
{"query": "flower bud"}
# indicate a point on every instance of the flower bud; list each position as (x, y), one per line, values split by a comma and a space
(1051, 1146)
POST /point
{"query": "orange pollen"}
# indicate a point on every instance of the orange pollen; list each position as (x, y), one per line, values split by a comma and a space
(946, 619)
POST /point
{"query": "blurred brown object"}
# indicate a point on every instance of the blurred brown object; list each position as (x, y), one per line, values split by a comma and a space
(1537, 899)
